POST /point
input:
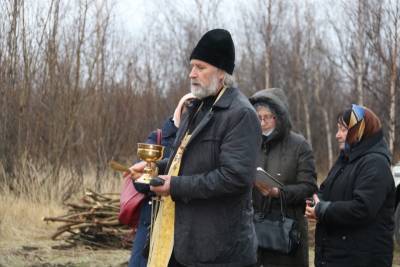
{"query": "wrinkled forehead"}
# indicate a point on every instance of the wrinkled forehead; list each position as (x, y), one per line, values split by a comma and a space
(201, 63)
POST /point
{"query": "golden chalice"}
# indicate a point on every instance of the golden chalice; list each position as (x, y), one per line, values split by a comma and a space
(149, 153)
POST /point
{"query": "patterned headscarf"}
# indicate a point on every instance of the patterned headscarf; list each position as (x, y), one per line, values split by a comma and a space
(361, 123)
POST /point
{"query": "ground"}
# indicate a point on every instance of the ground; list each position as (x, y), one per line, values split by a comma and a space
(48, 253)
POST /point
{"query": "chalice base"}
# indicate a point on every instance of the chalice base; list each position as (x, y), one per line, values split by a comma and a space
(142, 183)
(144, 179)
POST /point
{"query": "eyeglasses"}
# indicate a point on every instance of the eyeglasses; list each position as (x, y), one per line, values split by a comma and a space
(266, 117)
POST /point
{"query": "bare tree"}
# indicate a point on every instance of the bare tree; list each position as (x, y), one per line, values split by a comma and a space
(268, 46)
(298, 71)
(325, 115)
(319, 71)
(354, 51)
(360, 48)
(261, 22)
(384, 36)
(76, 91)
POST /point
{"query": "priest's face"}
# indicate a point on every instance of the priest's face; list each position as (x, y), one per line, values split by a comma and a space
(205, 79)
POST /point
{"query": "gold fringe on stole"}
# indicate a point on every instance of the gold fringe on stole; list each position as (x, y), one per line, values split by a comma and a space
(162, 238)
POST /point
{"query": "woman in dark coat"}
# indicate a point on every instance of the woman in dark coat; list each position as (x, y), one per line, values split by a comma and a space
(287, 156)
(355, 204)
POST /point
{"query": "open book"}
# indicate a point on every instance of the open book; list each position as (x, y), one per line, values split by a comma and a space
(267, 178)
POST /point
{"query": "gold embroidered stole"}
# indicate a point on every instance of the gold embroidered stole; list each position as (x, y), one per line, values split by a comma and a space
(162, 238)
(162, 235)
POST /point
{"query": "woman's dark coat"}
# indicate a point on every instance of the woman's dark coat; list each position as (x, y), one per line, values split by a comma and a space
(355, 218)
(288, 154)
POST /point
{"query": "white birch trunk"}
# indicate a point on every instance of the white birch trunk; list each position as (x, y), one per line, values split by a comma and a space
(392, 98)
(268, 47)
(325, 117)
(328, 136)
(360, 53)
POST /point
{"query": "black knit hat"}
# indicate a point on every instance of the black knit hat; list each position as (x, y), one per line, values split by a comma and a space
(216, 48)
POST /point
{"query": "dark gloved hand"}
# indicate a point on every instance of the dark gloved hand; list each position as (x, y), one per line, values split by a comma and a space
(157, 181)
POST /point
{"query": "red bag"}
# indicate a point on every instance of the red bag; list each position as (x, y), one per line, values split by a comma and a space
(130, 202)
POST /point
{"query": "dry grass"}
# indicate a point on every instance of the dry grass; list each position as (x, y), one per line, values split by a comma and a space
(21, 219)
(25, 237)
(21, 211)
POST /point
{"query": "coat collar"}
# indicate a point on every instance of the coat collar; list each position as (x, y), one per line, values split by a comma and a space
(226, 99)
(223, 102)
(365, 146)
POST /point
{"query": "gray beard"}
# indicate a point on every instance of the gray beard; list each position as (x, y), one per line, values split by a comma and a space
(202, 92)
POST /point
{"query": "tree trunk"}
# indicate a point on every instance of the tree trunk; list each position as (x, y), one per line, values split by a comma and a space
(360, 53)
(325, 116)
(268, 47)
(328, 136)
(392, 95)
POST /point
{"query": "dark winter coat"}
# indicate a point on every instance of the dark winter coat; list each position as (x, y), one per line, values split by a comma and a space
(355, 218)
(212, 194)
(288, 154)
(168, 136)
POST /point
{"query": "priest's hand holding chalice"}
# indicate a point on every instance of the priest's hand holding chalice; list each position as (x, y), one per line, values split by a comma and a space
(145, 173)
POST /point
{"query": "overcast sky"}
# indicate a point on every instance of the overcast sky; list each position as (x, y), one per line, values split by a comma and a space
(132, 14)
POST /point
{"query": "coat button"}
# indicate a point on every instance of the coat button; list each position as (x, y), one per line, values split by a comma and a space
(344, 237)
